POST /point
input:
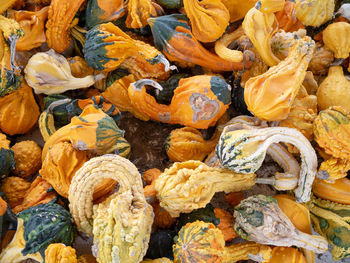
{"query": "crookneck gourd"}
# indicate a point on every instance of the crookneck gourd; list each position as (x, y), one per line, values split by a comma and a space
(271, 95)
(244, 151)
(49, 73)
(172, 35)
(198, 101)
(60, 17)
(7, 159)
(286, 18)
(314, 12)
(332, 221)
(191, 185)
(27, 157)
(37, 228)
(258, 218)
(208, 18)
(60, 253)
(202, 242)
(121, 225)
(336, 38)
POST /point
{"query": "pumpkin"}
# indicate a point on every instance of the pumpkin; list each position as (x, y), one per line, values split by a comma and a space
(139, 11)
(79, 67)
(287, 255)
(208, 19)
(187, 143)
(253, 217)
(18, 111)
(61, 14)
(14, 189)
(331, 220)
(60, 253)
(314, 12)
(172, 35)
(98, 12)
(271, 6)
(49, 73)
(226, 224)
(238, 9)
(321, 60)
(87, 258)
(27, 157)
(336, 37)
(286, 18)
(33, 25)
(130, 224)
(260, 27)
(198, 101)
(338, 191)
(39, 192)
(7, 160)
(271, 95)
(160, 244)
(191, 185)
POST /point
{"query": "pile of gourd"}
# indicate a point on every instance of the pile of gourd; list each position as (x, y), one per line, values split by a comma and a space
(269, 76)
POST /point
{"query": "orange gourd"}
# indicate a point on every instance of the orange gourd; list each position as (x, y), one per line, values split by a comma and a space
(286, 18)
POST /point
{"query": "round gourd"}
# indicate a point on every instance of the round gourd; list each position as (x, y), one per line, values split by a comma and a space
(14, 189)
(336, 38)
(60, 253)
(321, 60)
(27, 157)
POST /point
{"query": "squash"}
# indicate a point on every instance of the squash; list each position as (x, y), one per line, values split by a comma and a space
(139, 11)
(165, 95)
(208, 19)
(271, 6)
(336, 37)
(79, 67)
(160, 244)
(39, 192)
(7, 160)
(27, 157)
(98, 12)
(14, 189)
(253, 217)
(282, 41)
(238, 9)
(338, 191)
(60, 17)
(286, 18)
(331, 220)
(226, 224)
(60, 253)
(321, 60)
(198, 101)
(172, 35)
(19, 111)
(191, 185)
(314, 12)
(271, 95)
(287, 255)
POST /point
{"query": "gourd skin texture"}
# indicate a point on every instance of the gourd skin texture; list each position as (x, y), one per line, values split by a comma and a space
(172, 35)
(334, 90)
(338, 191)
(138, 13)
(320, 62)
(271, 95)
(18, 111)
(336, 38)
(314, 12)
(271, 6)
(208, 19)
(198, 101)
(238, 9)
(61, 14)
(14, 189)
(59, 253)
(27, 157)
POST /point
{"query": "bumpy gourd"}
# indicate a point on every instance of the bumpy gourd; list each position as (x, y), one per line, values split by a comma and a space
(61, 14)
(130, 218)
(244, 151)
(336, 38)
(332, 221)
(338, 191)
(14, 189)
(27, 157)
(139, 11)
(60, 253)
(238, 9)
(49, 73)
(282, 41)
(198, 101)
(321, 60)
(271, 95)
(286, 18)
(172, 35)
(253, 221)
(7, 159)
(334, 90)
(208, 19)
(314, 12)
(191, 185)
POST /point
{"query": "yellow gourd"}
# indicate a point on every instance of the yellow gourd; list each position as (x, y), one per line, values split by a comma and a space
(336, 37)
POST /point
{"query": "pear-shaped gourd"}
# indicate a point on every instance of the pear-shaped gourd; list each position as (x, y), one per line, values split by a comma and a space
(336, 38)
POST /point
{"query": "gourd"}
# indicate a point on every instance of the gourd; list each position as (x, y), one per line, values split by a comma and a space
(238, 9)
(161, 244)
(37, 228)
(226, 224)
(187, 143)
(6, 5)
(203, 242)
(286, 18)
(338, 191)
(334, 90)
(271, 6)
(158, 260)
(49, 73)
(87, 258)
(59, 23)
(208, 19)
(129, 225)
(172, 35)
(331, 220)
(14, 189)
(7, 160)
(198, 101)
(191, 185)
(139, 11)
(79, 67)
(8, 223)
(39, 192)
(314, 12)
(260, 27)
(271, 95)
(98, 12)
(244, 150)
(321, 60)
(27, 157)
(282, 41)
(33, 25)
(19, 111)
(60, 253)
(165, 95)
(287, 255)
(253, 217)
(336, 37)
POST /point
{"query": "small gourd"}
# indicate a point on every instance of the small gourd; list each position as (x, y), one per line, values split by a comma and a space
(226, 224)
(286, 18)
(282, 41)
(314, 12)
(79, 67)
(321, 60)
(336, 38)
(139, 11)
(338, 191)
(27, 157)
(7, 159)
(60, 253)
(14, 189)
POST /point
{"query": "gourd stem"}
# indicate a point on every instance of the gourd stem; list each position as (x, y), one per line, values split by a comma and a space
(56, 104)
(138, 85)
(270, 181)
